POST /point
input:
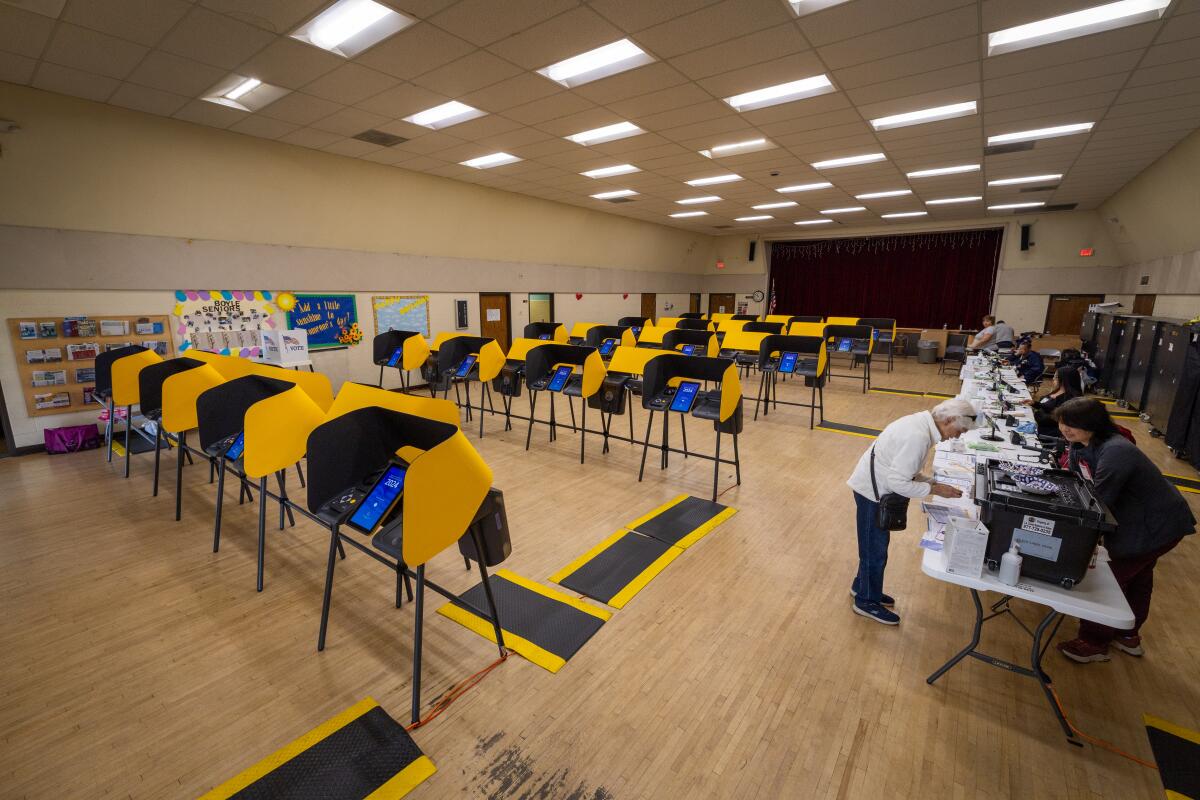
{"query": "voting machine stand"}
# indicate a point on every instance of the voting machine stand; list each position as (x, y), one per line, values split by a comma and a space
(885, 335)
(546, 331)
(811, 363)
(489, 361)
(446, 485)
(413, 352)
(634, 322)
(621, 383)
(862, 342)
(703, 341)
(150, 390)
(180, 390)
(587, 375)
(723, 406)
(118, 386)
(598, 334)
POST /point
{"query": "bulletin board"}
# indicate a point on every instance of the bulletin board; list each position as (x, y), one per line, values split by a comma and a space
(330, 320)
(72, 352)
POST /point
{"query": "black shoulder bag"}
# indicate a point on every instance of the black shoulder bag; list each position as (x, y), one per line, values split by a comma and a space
(893, 508)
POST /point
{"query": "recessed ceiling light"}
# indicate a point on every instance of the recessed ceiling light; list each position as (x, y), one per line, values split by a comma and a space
(1026, 179)
(1078, 23)
(782, 93)
(878, 195)
(754, 218)
(945, 201)
(812, 221)
(924, 115)
(491, 160)
(737, 148)
(349, 27)
(595, 64)
(850, 161)
(727, 178)
(1041, 133)
(1007, 206)
(802, 7)
(691, 201)
(243, 93)
(846, 210)
(804, 187)
(242, 88)
(902, 214)
(608, 133)
(445, 115)
(683, 214)
(765, 206)
(929, 173)
(609, 172)
(614, 193)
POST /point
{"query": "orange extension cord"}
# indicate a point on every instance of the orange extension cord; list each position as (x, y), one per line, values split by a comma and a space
(457, 691)
(1109, 746)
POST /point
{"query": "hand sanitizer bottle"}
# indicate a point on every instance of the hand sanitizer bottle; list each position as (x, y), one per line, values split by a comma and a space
(1010, 566)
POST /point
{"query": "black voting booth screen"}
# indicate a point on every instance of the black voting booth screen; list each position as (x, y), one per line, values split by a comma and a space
(221, 410)
(104, 362)
(151, 380)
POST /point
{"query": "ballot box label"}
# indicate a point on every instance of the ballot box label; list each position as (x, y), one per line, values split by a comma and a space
(1036, 544)
(1038, 525)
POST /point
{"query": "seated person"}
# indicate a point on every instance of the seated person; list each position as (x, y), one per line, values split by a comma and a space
(1028, 362)
(1067, 386)
(986, 338)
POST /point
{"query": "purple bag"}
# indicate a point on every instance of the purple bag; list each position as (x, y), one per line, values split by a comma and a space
(72, 439)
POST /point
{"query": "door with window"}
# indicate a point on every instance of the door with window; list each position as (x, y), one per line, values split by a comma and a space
(694, 304)
(721, 304)
(1065, 313)
(649, 301)
(541, 307)
(494, 318)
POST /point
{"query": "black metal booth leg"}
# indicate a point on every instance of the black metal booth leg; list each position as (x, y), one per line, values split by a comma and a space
(334, 544)
(262, 529)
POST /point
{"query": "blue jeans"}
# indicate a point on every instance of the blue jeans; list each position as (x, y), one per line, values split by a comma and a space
(873, 544)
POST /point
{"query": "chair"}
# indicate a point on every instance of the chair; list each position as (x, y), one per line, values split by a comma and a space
(956, 351)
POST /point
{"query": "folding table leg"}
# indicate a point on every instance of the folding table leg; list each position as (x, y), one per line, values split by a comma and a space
(416, 682)
(334, 543)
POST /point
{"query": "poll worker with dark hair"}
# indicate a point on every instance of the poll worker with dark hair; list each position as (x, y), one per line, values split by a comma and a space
(1028, 362)
(900, 452)
(1152, 517)
(1067, 386)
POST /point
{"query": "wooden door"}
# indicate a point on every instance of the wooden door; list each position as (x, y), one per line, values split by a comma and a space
(494, 318)
(1065, 313)
(1143, 304)
(649, 305)
(694, 304)
(541, 307)
(721, 304)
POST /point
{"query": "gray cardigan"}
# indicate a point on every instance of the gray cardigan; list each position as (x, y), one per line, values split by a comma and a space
(1150, 511)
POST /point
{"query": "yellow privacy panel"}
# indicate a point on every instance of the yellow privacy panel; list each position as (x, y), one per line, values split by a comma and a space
(521, 347)
(443, 490)
(807, 329)
(632, 359)
(668, 322)
(560, 334)
(277, 431)
(822, 360)
(842, 321)
(441, 338)
(353, 396)
(415, 351)
(719, 318)
(628, 339)
(731, 392)
(491, 360)
(229, 367)
(580, 329)
(743, 340)
(125, 371)
(730, 325)
(653, 334)
(713, 347)
(314, 384)
(593, 373)
(179, 394)
(784, 318)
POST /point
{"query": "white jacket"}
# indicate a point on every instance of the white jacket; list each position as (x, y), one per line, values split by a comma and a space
(900, 452)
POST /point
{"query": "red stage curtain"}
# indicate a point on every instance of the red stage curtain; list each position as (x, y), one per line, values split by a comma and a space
(924, 280)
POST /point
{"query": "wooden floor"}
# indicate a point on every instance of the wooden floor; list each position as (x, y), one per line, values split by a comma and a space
(136, 663)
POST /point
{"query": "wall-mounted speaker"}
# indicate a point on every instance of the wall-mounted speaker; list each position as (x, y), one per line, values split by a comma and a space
(1026, 230)
(753, 247)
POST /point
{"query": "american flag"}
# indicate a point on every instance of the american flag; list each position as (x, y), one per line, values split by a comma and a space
(772, 297)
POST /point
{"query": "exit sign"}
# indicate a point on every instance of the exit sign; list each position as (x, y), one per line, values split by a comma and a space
(720, 265)
(1087, 251)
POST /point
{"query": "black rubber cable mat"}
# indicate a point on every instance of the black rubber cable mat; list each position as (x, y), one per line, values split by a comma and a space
(938, 394)
(1184, 483)
(909, 392)
(683, 521)
(617, 568)
(543, 625)
(359, 753)
(849, 430)
(1177, 753)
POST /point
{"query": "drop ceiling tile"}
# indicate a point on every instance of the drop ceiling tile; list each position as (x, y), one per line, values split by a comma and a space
(769, 73)
(511, 92)
(1178, 27)
(414, 51)
(1168, 53)
(754, 48)
(350, 84)
(648, 145)
(174, 74)
(215, 39)
(1180, 103)
(646, 105)
(351, 147)
(349, 121)
(1183, 86)
(706, 111)
(808, 122)
(300, 108)
(712, 24)
(276, 16)
(507, 142)
(263, 127)
(23, 32)
(963, 52)
(482, 22)
(552, 151)
(433, 142)
(15, 68)
(634, 83)
(141, 21)
(290, 64)
(484, 128)
(901, 105)
(211, 114)
(388, 155)
(471, 72)
(1104, 84)
(857, 129)
(93, 52)
(548, 108)
(421, 162)
(709, 130)
(1179, 70)
(922, 34)
(399, 127)
(402, 101)
(820, 106)
(310, 137)
(1115, 45)
(568, 34)
(66, 80)
(1000, 14)
(864, 16)
(946, 78)
(152, 101)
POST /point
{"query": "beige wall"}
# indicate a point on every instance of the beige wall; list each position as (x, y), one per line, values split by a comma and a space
(1182, 306)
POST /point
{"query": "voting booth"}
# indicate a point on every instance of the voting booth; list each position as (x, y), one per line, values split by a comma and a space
(607, 338)
(400, 350)
(885, 335)
(150, 389)
(126, 388)
(691, 342)
(464, 359)
(570, 370)
(854, 341)
(180, 390)
(546, 331)
(801, 356)
(621, 383)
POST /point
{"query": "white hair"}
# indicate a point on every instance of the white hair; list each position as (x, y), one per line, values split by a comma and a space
(956, 411)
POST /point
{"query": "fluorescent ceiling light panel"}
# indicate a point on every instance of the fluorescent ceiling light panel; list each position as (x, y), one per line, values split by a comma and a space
(244, 93)
(595, 64)
(1007, 206)
(691, 201)
(1079, 23)
(682, 214)
(804, 187)
(242, 88)
(754, 218)
(955, 170)
(350, 27)
(946, 201)
(727, 178)
(609, 172)
(1041, 133)
(850, 161)
(812, 221)
(782, 93)
(445, 115)
(490, 160)
(846, 210)
(614, 193)
(802, 7)
(1026, 179)
(608, 133)
(924, 115)
(878, 195)
(737, 148)
(765, 206)
(902, 214)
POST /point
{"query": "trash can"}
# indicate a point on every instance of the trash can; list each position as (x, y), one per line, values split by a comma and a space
(927, 352)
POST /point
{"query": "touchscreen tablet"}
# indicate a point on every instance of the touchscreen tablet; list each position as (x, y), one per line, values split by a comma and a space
(607, 346)
(844, 345)
(560, 378)
(465, 367)
(395, 357)
(689, 349)
(685, 396)
(544, 336)
(234, 451)
(380, 500)
(787, 362)
(637, 330)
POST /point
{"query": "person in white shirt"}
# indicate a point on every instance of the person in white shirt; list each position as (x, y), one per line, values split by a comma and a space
(899, 453)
